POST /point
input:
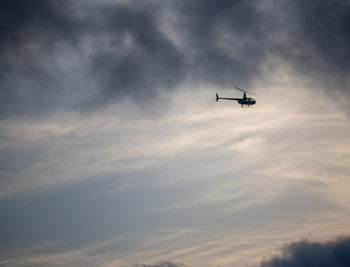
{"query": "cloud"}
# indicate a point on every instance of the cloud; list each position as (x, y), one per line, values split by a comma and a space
(231, 42)
(137, 59)
(318, 40)
(225, 40)
(267, 178)
(334, 253)
(55, 57)
(33, 39)
(22, 21)
(307, 253)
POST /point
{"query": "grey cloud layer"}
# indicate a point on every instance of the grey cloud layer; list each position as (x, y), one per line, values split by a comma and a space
(62, 55)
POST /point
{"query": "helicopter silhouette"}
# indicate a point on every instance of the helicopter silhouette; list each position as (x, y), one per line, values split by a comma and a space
(245, 101)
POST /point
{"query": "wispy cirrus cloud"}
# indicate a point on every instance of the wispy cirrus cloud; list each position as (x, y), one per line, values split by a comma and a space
(220, 178)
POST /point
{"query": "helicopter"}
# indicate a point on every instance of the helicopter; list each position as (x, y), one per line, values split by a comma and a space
(245, 101)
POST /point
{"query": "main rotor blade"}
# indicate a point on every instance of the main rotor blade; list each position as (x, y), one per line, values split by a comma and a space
(243, 90)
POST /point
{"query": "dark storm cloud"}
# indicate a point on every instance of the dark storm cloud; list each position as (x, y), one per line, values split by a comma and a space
(21, 21)
(139, 58)
(231, 40)
(318, 41)
(128, 55)
(302, 254)
(306, 253)
(55, 56)
(225, 39)
(131, 55)
(30, 32)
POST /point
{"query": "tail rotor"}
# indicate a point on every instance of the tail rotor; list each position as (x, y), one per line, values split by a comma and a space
(217, 97)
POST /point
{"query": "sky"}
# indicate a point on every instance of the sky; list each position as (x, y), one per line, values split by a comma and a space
(114, 152)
